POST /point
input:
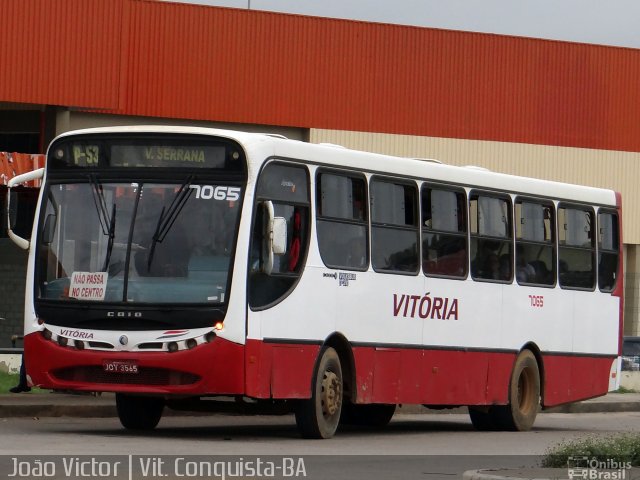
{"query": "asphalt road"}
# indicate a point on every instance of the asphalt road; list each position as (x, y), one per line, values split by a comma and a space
(412, 446)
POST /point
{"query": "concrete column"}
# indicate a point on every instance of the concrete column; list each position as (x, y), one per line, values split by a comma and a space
(63, 120)
(632, 290)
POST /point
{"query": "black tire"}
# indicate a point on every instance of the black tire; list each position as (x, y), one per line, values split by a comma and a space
(482, 419)
(139, 413)
(524, 396)
(370, 415)
(319, 416)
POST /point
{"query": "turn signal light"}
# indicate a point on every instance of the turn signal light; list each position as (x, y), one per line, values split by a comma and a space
(218, 326)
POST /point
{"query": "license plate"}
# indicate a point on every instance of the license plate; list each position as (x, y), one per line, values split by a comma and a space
(120, 366)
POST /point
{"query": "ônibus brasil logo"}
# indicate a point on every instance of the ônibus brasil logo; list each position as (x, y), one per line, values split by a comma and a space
(591, 468)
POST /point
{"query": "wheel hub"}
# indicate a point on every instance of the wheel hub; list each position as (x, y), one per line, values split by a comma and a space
(331, 393)
(525, 393)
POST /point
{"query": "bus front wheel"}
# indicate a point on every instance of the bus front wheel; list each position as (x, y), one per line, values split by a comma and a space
(139, 413)
(319, 416)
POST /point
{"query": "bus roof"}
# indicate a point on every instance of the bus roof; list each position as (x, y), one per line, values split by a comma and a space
(262, 146)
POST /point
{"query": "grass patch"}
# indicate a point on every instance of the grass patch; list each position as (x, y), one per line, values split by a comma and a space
(10, 380)
(620, 447)
(625, 390)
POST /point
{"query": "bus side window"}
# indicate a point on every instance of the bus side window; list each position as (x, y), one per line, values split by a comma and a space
(576, 262)
(284, 187)
(444, 232)
(342, 221)
(394, 227)
(491, 238)
(535, 243)
(608, 253)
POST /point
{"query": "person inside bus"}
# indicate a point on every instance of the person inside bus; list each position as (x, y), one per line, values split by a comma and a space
(163, 257)
(486, 263)
(525, 272)
(213, 233)
(505, 267)
(296, 240)
(490, 267)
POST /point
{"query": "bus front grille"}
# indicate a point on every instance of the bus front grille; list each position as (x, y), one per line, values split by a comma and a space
(145, 376)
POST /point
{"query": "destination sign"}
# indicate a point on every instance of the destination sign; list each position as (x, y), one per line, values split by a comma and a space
(151, 156)
(167, 156)
(188, 152)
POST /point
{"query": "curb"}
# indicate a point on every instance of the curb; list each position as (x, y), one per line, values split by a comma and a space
(522, 474)
(596, 407)
(541, 474)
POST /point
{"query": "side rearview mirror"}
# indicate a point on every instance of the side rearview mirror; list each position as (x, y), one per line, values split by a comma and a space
(279, 236)
(275, 236)
(13, 203)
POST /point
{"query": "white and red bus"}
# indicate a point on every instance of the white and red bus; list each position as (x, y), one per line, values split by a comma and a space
(184, 267)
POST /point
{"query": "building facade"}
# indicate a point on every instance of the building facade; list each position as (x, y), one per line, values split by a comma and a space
(547, 109)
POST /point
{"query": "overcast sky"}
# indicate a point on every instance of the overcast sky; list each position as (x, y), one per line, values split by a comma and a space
(607, 22)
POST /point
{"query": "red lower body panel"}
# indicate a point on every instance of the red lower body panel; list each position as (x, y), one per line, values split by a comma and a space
(279, 370)
(572, 378)
(436, 377)
(216, 367)
(429, 376)
(285, 371)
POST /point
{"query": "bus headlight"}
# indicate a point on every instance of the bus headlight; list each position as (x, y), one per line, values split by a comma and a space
(62, 341)
(172, 347)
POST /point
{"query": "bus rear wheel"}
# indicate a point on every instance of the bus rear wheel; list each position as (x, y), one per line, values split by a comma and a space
(524, 396)
(524, 400)
(482, 418)
(139, 413)
(319, 416)
(371, 415)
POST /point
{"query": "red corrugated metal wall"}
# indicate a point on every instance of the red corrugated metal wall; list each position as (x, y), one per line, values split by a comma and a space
(141, 57)
(62, 52)
(12, 164)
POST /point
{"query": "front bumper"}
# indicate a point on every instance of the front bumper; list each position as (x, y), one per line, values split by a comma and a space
(215, 368)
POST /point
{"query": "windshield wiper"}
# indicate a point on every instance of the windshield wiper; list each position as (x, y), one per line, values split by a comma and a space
(166, 220)
(112, 235)
(107, 222)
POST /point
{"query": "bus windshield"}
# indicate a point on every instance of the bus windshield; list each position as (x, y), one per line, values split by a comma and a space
(137, 242)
